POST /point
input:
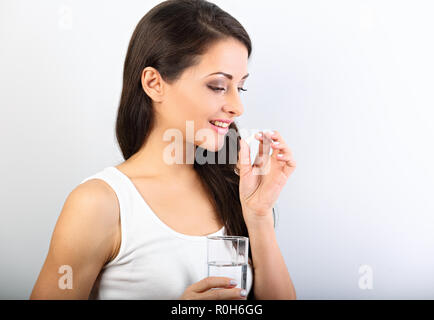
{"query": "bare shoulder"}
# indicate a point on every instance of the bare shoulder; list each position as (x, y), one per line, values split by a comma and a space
(85, 238)
(100, 210)
(93, 201)
(96, 192)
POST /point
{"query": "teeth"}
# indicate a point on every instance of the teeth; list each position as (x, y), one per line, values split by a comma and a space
(220, 124)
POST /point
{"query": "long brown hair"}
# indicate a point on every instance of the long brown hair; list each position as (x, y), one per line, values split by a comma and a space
(170, 38)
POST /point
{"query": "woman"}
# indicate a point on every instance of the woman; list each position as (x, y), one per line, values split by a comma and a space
(137, 230)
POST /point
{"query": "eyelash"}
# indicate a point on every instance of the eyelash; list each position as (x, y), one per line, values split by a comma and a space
(221, 89)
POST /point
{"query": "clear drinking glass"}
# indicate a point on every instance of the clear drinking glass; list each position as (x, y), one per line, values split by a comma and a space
(228, 257)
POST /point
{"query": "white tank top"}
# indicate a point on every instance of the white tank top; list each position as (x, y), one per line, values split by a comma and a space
(154, 261)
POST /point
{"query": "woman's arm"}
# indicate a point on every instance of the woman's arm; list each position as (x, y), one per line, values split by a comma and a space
(260, 186)
(83, 240)
(271, 277)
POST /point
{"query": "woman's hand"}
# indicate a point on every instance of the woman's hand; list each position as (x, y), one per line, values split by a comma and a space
(204, 290)
(261, 183)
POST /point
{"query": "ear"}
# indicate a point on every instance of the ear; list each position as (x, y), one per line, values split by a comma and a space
(153, 83)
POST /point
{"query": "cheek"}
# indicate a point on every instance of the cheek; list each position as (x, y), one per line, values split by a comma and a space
(196, 105)
(199, 108)
(178, 109)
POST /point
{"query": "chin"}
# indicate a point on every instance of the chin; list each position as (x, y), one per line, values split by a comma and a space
(215, 145)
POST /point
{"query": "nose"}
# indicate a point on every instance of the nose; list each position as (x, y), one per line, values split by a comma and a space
(234, 106)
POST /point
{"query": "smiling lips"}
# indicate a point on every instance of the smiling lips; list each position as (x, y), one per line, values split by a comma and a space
(220, 123)
(221, 126)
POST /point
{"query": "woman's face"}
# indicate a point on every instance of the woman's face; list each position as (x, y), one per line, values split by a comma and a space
(200, 96)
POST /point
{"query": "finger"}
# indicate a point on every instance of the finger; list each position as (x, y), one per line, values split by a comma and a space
(280, 147)
(289, 165)
(243, 164)
(283, 154)
(211, 282)
(264, 150)
(259, 135)
(288, 162)
(223, 294)
(281, 151)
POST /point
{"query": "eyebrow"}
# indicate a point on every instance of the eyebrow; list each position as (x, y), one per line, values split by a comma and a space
(229, 76)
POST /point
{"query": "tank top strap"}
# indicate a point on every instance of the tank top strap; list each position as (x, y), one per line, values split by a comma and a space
(112, 178)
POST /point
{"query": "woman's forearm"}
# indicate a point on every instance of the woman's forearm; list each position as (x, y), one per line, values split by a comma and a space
(271, 276)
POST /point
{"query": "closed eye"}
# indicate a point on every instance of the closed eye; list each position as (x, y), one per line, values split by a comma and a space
(222, 89)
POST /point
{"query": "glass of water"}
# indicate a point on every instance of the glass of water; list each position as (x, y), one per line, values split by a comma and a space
(228, 257)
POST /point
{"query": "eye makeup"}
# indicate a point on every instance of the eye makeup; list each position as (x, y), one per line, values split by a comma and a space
(220, 86)
(217, 89)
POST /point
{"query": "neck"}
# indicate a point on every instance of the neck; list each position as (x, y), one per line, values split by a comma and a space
(155, 157)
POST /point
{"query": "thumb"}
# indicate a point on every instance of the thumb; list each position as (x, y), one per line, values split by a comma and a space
(243, 163)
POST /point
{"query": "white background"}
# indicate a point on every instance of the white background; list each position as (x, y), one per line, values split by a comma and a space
(349, 84)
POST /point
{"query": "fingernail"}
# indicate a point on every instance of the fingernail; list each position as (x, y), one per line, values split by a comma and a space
(233, 283)
(243, 293)
(280, 155)
(260, 134)
(276, 142)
